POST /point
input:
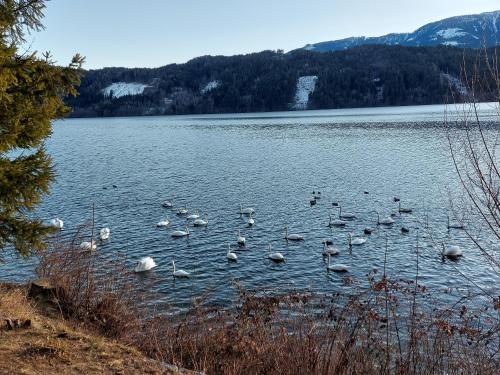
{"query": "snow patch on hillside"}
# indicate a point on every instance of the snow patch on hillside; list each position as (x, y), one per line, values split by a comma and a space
(119, 89)
(305, 86)
(455, 83)
(451, 33)
(450, 43)
(212, 85)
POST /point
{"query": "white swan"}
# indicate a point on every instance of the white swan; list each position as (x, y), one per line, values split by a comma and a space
(240, 239)
(356, 241)
(88, 245)
(167, 204)
(56, 223)
(179, 273)
(250, 221)
(163, 223)
(336, 222)
(293, 237)
(230, 255)
(194, 216)
(246, 211)
(200, 222)
(385, 220)
(337, 267)
(276, 257)
(182, 211)
(181, 233)
(330, 250)
(452, 251)
(346, 215)
(454, 225)
(104, 233)
(145, 264)
(404, 210)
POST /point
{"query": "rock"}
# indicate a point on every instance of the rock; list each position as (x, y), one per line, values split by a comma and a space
(42, 288)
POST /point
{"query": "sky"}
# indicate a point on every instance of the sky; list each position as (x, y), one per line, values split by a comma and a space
(152, 33)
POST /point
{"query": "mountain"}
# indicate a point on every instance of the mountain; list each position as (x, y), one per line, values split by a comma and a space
(471, 31)
(364, 76)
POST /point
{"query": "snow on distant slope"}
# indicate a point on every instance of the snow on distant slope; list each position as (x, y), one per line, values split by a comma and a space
(305, 86)
(451, 33)
(119, 89)
(455, 83)
(212, 85)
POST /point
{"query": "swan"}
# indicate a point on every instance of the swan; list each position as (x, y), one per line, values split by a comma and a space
(368, 230)
(452, 251)
(276, 257)
(356, 241)
(145, 264)
(181, 233)
(293, 237)
(250, 221)
(246, 211)
(346, 215)
(194, 216)
(182, 211)
(404, 210)
(56, 223)
(336, 222)
(88, 245)
(230, 255)
(200, 222)
(179, 273)
(104, 233)
(385, 220)
(337, 267)
(240, 239)
(167, 204)
(163, 223)
(454, 225)
(329, 250)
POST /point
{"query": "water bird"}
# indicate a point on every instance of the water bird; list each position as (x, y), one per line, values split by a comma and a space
(452, 251)
(327, 242)
(104, 233)
(246, 211)
(318, 195)
(182, 211)
(181, 233)
(312, 201)
(276, 257)
(167, 204)
(346, 215)
(453, 225)
(56, 223)
(385, 220)
(179, 273)
(405, 230)
(404, 210)
(366, 192)
(240, 239)
(330, 250)
(292, 237)
(200, 222)
(250, 221)
(356, 241)
(396, 199)
(145, 264)
(115, 186)
(337, 267)
(368, 230)
(336, 222)
(335, 204)
(163, 223)
(230, 255)
(88, 245)
(194, 216)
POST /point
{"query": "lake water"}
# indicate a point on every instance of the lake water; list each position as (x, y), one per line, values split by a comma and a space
(271, 162)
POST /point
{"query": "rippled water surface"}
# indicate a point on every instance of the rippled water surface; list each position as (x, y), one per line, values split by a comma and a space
(271, 162)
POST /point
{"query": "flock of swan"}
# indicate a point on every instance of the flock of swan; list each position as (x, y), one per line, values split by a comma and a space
(147, 263)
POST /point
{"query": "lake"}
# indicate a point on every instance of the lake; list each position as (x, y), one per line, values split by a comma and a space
(271, 162)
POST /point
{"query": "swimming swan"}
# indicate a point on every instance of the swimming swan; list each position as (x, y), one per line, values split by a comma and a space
(179, 273)
(293, 237)
(230, 255)
(356, 241)
(200, 222)
(104, 233)
(56, 223)
(145, 264)
(240, 239)
(181, 233)
(276, 257)
(337, 267)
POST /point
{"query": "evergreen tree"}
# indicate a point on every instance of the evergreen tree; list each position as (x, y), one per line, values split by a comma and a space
(31, 96)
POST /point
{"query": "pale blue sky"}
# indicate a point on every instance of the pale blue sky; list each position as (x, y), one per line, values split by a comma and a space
(152, 33)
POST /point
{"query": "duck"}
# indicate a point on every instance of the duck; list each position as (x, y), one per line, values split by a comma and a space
(404, 210)
(230, 255)
(335, 204)
(145, 264)
(396, 199)
(312, 201)
(181, 233)
(163, 223)
(405, 230)
(329, 250)
(293, 237)
(167, 204)
(56, 223)
(88, 245)
(346, 215)
(194, 216)
(246, 211)
(327, 242)
(240, 239)
(337, 267)
(179, 273)
(250, 221)
(453, 225)
(356, 241)
(104, 233)
(318, 195)
(182, 211)
(368, 230)
(385, 220)
(452, 251)
(200, 222)
(276, 257)
(336, 222)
